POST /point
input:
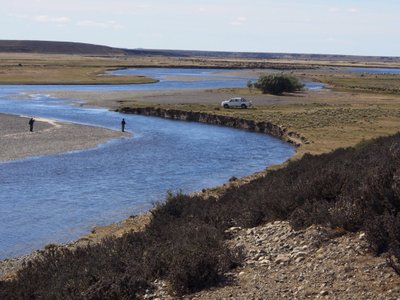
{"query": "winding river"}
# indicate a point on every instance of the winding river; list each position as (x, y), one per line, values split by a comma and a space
(58, 198)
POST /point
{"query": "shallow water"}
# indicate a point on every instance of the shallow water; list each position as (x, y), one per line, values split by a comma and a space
(58, 198)
(169, 79)
(200, 78)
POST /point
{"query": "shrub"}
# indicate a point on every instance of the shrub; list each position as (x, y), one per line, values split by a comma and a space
(108, 271)
(233, 178)
(351, 189)
(278, 84)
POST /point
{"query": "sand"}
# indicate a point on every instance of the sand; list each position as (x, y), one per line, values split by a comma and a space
(48, 137)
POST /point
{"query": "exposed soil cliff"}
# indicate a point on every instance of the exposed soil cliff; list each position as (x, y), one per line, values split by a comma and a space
(262, 127)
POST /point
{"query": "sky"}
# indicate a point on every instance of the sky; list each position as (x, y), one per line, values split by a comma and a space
(352, 27)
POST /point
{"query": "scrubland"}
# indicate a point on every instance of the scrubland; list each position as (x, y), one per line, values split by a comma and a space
(345, 180)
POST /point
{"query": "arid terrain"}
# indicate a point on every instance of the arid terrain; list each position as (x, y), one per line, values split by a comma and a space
(279, 261)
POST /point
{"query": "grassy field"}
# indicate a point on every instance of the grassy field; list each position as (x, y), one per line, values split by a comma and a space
(360, 82)
(64, 75)
(60, 69)
(327, 120)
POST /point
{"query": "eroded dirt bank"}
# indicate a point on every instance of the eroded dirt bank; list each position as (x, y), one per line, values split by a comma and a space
(240, 123)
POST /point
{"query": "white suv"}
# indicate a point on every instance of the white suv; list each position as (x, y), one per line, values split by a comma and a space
(236, 102)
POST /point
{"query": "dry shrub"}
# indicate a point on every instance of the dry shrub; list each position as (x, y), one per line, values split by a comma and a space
(351, 189)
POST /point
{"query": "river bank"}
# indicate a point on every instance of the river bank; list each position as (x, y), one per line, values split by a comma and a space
(48, 137)
(8, 267)
(263, 127)
(58, 174)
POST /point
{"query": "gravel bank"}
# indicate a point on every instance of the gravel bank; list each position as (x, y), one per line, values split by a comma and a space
(48, 137)
(315, 263)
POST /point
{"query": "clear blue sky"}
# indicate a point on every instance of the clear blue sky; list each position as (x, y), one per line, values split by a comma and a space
(359, 27)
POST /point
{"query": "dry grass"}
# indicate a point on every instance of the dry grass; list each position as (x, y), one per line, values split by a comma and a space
(62, 69)
(330, 123)
(360, 82)
(63, 75)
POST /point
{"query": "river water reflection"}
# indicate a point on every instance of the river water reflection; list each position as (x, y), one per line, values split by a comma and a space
(57, 198)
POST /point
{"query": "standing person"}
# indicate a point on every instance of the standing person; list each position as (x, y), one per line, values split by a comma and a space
(31, 121)
(123, 125)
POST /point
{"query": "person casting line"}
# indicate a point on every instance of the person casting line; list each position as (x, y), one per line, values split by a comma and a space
(123, 125)
(31, 121)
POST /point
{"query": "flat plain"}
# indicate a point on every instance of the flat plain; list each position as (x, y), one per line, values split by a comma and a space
(354, 108)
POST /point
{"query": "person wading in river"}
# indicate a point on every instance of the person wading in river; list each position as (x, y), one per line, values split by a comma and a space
(31, 121)
(123, 125)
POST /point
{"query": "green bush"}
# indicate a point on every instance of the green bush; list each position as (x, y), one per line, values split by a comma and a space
(278, 84)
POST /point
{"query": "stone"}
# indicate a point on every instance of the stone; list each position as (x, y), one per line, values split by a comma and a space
(233, 229)
(324, 293)
(261, 258)
(265, 262)
(299, 254)
(250, 231)
(282, 258)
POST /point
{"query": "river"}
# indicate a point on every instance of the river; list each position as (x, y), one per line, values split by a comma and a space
(58, 198)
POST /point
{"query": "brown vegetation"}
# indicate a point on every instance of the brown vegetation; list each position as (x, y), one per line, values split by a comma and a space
(185, 243)
(353, 189)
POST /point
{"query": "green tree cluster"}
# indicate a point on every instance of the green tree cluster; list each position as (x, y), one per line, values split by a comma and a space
(278, 84)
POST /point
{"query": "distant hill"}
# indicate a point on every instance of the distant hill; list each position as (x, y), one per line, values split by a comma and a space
(57, 48)
(263, 55)
(90, 49)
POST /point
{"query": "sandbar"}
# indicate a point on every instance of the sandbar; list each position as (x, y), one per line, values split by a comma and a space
(48, 137)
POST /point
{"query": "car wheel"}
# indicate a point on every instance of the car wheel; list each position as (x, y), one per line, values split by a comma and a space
(243, 106)
(226, 106)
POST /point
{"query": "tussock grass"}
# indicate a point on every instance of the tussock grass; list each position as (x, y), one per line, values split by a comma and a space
(328, 125)
(64, 75)
(360, 82)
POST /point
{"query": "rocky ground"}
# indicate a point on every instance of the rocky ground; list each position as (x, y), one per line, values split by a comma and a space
(316, 263)
(279, 263)
(282, 263)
